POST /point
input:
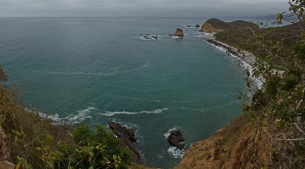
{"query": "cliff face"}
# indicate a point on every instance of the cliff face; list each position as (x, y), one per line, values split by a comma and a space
(240, 144)
(237, 145)
(248, 141)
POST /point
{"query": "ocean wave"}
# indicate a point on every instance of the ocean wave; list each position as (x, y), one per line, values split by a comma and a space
(175, 152)
(166, 135)
(256, 81)
(81, 115)
(191, 109)
(176, 37)
(109, 113)
(81, 73)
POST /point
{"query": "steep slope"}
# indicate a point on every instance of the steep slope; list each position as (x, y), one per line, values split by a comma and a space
(238, 145)
(260, 137)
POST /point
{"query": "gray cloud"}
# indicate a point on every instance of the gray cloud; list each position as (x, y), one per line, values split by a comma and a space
(140, 7)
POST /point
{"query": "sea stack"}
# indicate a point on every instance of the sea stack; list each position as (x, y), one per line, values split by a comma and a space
(179, 32)
(175, 138)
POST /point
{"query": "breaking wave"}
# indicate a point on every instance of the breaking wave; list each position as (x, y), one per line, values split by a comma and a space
(109, 113)
(256, 81)
(81, 115)
(81, 73)
(166, 135)
(175, 152)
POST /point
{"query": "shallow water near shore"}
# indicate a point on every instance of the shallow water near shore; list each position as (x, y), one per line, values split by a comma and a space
(94, 70)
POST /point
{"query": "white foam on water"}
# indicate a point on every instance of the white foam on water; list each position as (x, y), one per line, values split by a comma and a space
(149, 37)
(176, 37)
(81, 73)
(257, 82)
(109, 113)
(166, 135)
(81, 115)
(175, 152)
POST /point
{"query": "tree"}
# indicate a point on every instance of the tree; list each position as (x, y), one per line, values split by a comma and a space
(281, 99)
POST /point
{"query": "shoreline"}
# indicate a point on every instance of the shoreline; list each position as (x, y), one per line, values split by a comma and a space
(247, 59)
(246, 56)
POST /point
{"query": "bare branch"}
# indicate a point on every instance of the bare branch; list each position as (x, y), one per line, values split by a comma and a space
(299, 128)
(294, 139)
(265, 48)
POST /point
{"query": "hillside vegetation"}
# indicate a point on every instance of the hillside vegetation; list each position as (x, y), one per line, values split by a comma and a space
(239, 34)
(271, 131)
(29, 141)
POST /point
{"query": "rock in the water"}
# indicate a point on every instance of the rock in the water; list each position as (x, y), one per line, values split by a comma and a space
(175, 138)
(129, 138)
(197, 26)
(179, 32)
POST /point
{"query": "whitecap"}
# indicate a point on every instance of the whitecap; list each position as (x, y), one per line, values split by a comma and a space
(148, 37)
(81, 115)
(256, 81)
(109, 113)
(176, 37)
(175, 152)
(81, 73)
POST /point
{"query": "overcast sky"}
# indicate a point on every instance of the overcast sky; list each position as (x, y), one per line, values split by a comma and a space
(166, 8)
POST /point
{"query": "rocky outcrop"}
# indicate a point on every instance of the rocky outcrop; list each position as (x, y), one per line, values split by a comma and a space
(175, 138)
(179, 32)
(208, 28)
(129, 138)
(237, 145)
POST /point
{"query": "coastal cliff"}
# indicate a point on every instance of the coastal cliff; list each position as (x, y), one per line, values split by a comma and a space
(248, 142)
(237, 145)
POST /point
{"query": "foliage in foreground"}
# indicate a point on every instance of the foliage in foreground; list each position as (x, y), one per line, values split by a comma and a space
(33, 142)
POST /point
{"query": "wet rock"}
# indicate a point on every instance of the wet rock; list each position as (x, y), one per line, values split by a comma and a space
(175, 138)
(154, 37)
(179, 32)
(129, 138)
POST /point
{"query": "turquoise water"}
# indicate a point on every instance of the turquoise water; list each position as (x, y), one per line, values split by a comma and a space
(100, 69)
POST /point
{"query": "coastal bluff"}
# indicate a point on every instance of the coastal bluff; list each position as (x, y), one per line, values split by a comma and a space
(246, 141)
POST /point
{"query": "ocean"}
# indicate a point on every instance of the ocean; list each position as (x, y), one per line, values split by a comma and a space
(93, 70)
